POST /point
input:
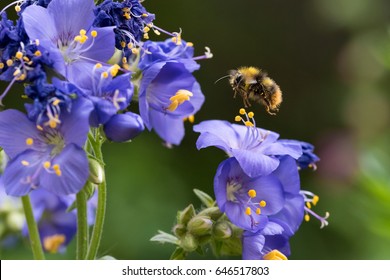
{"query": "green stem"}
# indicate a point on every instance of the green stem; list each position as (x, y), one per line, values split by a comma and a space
(97, 232)
(33, 232)
(82, 225)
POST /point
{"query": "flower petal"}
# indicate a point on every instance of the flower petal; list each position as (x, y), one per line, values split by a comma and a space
(252, 246)
(288, 174)
(73, 164)
(255, 164)
(103, 47)
(169, 128)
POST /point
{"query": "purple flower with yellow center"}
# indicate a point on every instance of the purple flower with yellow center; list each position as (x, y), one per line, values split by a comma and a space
(168, 94)
(270, 203)
(65, 29)
(48, 156)
(256, 150)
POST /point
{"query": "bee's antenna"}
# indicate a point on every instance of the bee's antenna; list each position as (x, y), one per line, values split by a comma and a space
(221, 78)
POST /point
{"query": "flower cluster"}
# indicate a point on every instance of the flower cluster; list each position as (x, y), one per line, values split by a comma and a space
(258, 186)
(82, 65)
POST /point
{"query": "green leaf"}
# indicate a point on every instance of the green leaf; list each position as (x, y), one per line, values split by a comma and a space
(164, 237)
(183, 217)
(207, 200)
(178, 254)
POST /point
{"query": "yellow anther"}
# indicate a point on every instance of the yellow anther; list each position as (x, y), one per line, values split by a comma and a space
(248, 211)
(307, 217)
(308, 205)
(17, 8)
(25, 58)
(249, 123)
(114, 70)
(127, 16)
(105, 75)
(1, 65)
(21, 77)
(56, 102)
(146, 36)
(37, 53)
(94, 33)
(25, 163)
(258, 211)
(123, 44)
(174, 39)
(190, 44)
(19, 55)
(83, 32)
(179, 98)
(262, 203)
(124, 60)
(156, 32)
(98, 65)
(52, 123)
(39, 127)
(252, 193)
(275, 255)
(77, 38)
(146, 29)
(238, 118)
(150, 24)
(191, 118)
(242, 111)
(130, 45)
(9, 62)
(58, 172)
(29, 141)
(316, 198)
(47, 164)
(56, 167)
(37, 42)
(135, 50)
(52, 243)
(144, 15)
(24, 96)
(17, 72)
(251, 114)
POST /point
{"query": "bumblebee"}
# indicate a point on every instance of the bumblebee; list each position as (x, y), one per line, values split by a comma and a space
(253, 84)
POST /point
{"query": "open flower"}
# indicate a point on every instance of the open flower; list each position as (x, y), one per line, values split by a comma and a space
(48, 156)
(65, 29)
(271, 202)
(256, 150)
(168, 94)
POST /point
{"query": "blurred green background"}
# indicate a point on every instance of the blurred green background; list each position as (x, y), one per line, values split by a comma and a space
(331, 59)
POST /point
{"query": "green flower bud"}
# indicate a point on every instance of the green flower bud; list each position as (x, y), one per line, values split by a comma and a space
(222, 230)
(200, 225)
(95, 171)
(213, 212)
(189, 243)
(179, 230)
(183, 217)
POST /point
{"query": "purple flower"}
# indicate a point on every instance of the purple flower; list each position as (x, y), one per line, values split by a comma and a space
(48, 156)
(168, 94)
(123, 127)
(308, 158)
(270, 203)
(256, 150)
(65, 29)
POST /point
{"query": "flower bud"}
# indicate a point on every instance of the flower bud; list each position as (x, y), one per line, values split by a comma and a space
(213, 212)
(179, 230)
(200, 225)
(189, 243)
(183, 217)
(123, 127)
(95, 171)
(222, 230)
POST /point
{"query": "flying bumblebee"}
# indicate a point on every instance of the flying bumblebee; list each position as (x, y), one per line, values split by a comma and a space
(253, 84)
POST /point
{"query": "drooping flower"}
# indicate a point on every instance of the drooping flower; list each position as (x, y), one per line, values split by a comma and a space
(123, 127)
(65, 29)
(168, 94)
(256, 150)
(308, 158)
(269, 202)
(48, 156)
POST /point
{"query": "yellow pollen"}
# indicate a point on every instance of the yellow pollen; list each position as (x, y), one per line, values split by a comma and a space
(94, 33)
(25, 58)
(237, 118)
(123, 44)
(258, 211)
(156, 32)
(56, 102)
(124, 60)
(248, 123)
(52, 243)
(307, 217)
(242, 111)
(56, 167)
(114, 70)
(144, 15)
(19, 55)
(248, 211)
(150, 24)
(21, 77)
(105, 75)
(252, 193)
(251, 114)
(77, 38)
(37, 42)
(52, 123)
(146, 29)
(39, 128)
(9, 62)
(58, 172)
(127, 16)
(275, 255)
(191, 118)
(29, 141)
(315, 200)
(17, 72)
(262, 203)
(130, 45)
(1, 65)
(98, 65)
(25, 163)
(146, 36)
(47, 164)
(190, 44)
(308, 205)
(37, 53)
(135, 50)
(17, 8)
(83, 32)
(179, 98)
